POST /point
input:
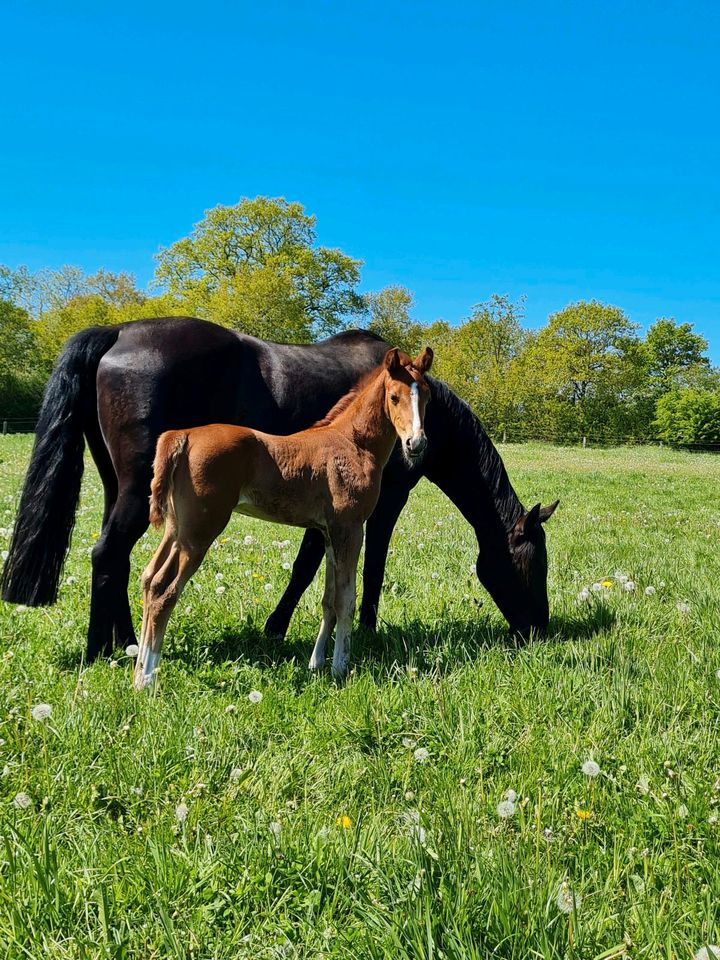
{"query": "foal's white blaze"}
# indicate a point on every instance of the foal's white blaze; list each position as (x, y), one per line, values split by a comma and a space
(415, 400)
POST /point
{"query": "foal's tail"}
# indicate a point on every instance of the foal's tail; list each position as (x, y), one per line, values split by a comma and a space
(46, 515)
(170, 447)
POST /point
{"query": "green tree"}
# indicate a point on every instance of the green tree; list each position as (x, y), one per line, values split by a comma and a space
(674, 352)
(477, 356)
(262, 252)
(390, 318)
(21, 379)
(583, 374)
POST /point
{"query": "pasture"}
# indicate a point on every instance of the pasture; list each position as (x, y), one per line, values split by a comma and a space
(436, 805)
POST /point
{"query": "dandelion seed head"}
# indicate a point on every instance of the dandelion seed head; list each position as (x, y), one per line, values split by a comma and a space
(235, 774)
(255, 696)
(22, 800)
(181, 812)
(510, 795)
(683, 606)
(505, 809)
(629, 586)
(267, 587)
(220, 590)
(683, 811)
(248, 540)
(567, 900)
(132, 650)
(584, 595)
(41, 711)
(275, 828)
(590, 768)
(710, 952)
(421, 754)
(649, 591)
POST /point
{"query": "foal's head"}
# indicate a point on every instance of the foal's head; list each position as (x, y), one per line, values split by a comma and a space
(406, 395)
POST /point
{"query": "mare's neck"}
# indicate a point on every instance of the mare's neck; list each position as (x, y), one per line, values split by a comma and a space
(366, 422)
(467, 467)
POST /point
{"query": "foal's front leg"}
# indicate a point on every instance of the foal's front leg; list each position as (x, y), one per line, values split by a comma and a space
(346, 542)
(317, 659)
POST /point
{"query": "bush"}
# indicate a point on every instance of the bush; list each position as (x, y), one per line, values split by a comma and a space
(689, 417)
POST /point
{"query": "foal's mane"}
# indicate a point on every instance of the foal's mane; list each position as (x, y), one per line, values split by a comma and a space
(345, 401)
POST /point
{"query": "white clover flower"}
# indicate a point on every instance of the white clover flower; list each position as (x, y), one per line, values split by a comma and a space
(255, 696)
(710, 952)
(567, 900)
(629, 586)
(590, 768)
(132, 650)
(649, 591)
(505, 809)
(248, 540)
(275, 828)
(181, 812)
(22, 800)
(220, 591)
(683, 606)
(41, 711)
(421, 754)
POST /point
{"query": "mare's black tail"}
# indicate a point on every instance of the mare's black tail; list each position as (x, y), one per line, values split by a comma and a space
(46, 516)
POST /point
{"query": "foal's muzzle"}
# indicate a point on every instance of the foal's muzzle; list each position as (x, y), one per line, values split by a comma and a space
(415, 446)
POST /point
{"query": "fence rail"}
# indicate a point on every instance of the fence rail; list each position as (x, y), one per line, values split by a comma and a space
(10, 425)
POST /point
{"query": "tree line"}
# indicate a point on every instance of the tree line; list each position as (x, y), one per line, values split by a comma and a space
(256, 266)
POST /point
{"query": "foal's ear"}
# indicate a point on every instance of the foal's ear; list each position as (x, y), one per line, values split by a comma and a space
(392, 360)
(424, 361)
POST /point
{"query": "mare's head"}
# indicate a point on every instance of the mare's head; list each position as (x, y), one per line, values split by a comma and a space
(406, 396)
(517, 581)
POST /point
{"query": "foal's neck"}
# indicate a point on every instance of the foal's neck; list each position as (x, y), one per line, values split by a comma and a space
(367, 422)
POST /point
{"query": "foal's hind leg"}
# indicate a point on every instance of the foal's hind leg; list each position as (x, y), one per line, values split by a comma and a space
(346, 544)
(162, 589)
(317, 659)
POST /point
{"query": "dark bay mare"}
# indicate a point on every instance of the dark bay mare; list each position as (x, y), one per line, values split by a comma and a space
(120, 387)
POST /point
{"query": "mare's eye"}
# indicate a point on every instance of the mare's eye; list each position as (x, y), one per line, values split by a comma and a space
(394, 398)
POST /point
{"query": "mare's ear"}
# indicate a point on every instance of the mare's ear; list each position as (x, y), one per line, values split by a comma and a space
(547, 512)
(392, 360)
(533, 518)
(424, 361)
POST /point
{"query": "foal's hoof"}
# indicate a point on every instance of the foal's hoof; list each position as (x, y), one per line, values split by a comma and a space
(143, 681)
(316, 663)
(340, 669)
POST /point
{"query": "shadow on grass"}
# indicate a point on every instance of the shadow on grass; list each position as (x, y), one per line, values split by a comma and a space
(422, 644)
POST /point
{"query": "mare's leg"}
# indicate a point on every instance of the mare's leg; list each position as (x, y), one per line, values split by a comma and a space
(303, 571)
(380, 526)
(109, 606)
(347, 542)
(317, 659)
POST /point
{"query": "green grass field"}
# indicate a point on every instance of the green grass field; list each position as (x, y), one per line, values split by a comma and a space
(362, 820)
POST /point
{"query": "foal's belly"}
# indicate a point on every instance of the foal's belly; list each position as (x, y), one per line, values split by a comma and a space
(264, 509)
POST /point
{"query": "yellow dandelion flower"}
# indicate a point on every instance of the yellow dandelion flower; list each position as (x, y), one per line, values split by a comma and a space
(607, 584)
(584, 814)
(344, 821)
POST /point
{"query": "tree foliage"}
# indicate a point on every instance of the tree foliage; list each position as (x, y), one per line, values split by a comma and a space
(255, 266)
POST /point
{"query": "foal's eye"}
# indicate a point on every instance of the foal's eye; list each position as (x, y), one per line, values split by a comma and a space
(394, 398)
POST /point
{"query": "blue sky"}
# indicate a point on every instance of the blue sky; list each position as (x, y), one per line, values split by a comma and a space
(558, 150)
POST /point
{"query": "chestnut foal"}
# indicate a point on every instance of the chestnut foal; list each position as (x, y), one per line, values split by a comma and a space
(327, 477)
